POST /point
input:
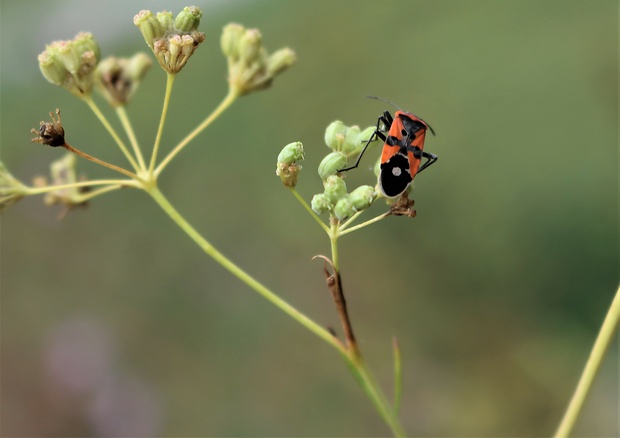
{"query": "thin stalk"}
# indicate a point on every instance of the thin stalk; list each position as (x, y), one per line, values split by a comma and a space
(333, 241)
(364, 224)
(93, 106)
(164, 112)
(122, 115)
(603, 340)
(309, 210)
(228, 100)
(94, 193)
(211, 251)
(102, 163)
(40, 190)
(353, 358)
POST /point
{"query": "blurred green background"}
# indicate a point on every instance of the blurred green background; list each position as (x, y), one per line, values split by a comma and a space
(115, 324)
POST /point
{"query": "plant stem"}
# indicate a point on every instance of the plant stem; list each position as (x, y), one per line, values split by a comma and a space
(240, 274)
(169, 83)
(122, 115)
(603, 340)
(101, 162)
(93, 106)
(112, 182)
(353, 359)
(309, 210)
(228, 100)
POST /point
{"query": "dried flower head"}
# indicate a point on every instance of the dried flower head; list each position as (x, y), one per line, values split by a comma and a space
(50, 133)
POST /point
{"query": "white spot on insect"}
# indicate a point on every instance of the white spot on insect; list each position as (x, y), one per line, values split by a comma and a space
(396, 171)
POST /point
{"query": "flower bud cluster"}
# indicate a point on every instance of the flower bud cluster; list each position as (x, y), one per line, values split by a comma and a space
(71, 63)
(287, 167)
(118, 78)
(250, 67)
(345, 142)
(173, 40)
(63, 172)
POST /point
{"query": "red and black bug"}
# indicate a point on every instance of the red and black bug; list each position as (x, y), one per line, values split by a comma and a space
(401, 158)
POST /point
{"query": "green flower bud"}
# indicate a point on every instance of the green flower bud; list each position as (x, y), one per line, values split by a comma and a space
(331, 164)
(335, 134)
(231, 36)
(291, 152)
(166, 19)
(188, 19)
(85, 42)
(250, 45)
(366, 134)
(52, 68)
(69, 55)
(335, 189)
(343, 209)
(320, 204)
(362, 197)
(280, 61)
(150, 27)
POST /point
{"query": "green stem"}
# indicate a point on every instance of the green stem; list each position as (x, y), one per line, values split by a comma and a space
(94, 193)
(242, 275)
(603, 340)
(164, 112)
(93, 106)
(228, 100)
(364, 224)
(122, 115)
(354, 361)
(112, 182)
(309, 210)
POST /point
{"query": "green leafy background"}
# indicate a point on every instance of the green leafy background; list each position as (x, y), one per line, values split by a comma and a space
(115, 324)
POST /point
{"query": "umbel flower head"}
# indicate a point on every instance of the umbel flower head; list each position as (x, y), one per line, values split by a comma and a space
(173, 40)
(71, 63)
(250, 67)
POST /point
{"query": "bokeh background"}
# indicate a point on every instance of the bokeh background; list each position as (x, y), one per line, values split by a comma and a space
(115, 324)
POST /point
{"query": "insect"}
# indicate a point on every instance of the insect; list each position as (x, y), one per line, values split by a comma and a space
(401, 158)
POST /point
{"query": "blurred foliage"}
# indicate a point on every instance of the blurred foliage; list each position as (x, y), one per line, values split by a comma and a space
(495, 290)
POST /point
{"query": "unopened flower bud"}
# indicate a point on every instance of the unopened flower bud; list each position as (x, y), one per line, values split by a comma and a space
(343, 209)
(249, 45)
(331, 164)
(52, 68)
(334, 135)
(150, 27)
(335, 189)
(188, 19)
(231, 36)
(362, 197)
(320, 204)
(280, 61)
(291, 153)
(166, 19)
(118, 78)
